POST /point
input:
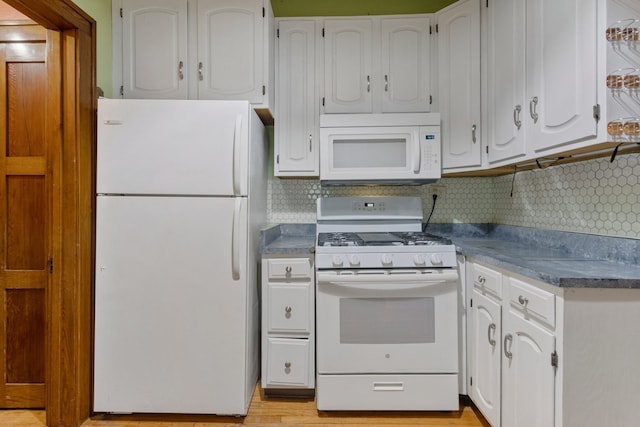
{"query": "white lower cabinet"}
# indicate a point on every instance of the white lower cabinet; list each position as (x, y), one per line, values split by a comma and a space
(288, 326)
(512, 345)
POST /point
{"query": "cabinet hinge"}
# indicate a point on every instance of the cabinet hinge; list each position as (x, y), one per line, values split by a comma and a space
(278, 159)
(430, 99)
(50, 265)
(323, 101)
(121, 90)
(264, 90)
(121, 13)
(554, 359)
(487, 149)
(596, 112)
(264, 13)
(436, 28)
(487, 5)
(430, 29)
(323, 32)
(278, 33)
(471, 303)
(471, 381)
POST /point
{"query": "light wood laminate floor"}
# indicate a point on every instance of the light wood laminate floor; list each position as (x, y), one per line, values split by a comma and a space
(270, 412)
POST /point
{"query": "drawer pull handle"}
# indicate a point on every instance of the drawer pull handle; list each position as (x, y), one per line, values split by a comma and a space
(288, 269)
(507, 353)
(492, 341)
(523, 301)
(481, 279)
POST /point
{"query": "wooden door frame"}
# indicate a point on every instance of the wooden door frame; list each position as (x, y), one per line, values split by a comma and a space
(70, 290)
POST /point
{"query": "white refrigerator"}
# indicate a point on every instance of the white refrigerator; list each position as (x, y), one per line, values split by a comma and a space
(181, 195)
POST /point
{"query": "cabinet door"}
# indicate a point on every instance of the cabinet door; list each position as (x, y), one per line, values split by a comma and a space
(154, 49)
(230, 50)
(561, 71)
(296, 136)
(405, 61)
(528, 376)
(459, 84)
(485, 356)
(506, 85)
(348, 66)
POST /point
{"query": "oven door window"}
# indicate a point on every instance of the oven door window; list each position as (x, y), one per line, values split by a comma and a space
(387, 320)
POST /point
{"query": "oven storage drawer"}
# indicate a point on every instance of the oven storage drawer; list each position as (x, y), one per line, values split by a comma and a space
(532, 301)
(387, 392)
(487, 280)
(289, 307)
(288, 363)
(289, 269)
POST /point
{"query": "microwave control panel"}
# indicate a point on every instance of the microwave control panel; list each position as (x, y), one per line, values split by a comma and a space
(430, 146)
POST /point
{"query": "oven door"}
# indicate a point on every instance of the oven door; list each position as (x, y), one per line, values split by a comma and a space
(387, 321)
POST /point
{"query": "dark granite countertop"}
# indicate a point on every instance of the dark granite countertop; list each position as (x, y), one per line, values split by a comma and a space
(563, 259)
(288, 239)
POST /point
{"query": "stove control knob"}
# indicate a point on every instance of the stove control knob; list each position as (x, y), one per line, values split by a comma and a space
(337, 261)
(436, 259)
(354, 260)
(419, 259)
(386, 260)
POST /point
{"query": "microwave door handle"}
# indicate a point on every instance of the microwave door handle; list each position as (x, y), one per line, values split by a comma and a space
(417, 153)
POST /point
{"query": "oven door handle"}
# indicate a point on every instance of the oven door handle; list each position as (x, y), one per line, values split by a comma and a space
(387, 281)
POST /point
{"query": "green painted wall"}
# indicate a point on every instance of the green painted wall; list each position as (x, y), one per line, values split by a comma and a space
(100, 10)
(355, 7)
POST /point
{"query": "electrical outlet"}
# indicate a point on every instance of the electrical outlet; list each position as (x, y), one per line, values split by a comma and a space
(437, 189)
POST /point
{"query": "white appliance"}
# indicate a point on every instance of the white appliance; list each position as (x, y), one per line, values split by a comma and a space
(180, 199)
(386, 308)
(380, 148)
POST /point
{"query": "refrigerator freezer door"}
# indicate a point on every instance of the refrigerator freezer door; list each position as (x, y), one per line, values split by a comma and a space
(170, 318)
(192, 147)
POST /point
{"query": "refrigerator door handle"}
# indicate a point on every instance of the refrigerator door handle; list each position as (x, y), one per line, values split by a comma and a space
(235, 241)
(236, 155)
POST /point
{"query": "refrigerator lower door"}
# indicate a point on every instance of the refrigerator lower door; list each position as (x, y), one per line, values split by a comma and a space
(170, 311)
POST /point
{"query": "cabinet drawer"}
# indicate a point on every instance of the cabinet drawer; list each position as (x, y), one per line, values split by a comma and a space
(487, 280)
(532, 300)
(288, 307)
(288, 362)
(289, 268)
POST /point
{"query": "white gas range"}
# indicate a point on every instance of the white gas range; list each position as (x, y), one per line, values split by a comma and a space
(386, 308)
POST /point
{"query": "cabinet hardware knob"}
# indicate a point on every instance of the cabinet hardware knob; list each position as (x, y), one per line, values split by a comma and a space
(288, 269)
(473, 133)
(386, 83)
(368, 83)
(310, 142)
(481, 279)
(516, 116)
(287, 365)
(509, 338)
(200, 74)
(522, 300)
(492, 327)
(180, 74)
(287, 309)
(532, 108)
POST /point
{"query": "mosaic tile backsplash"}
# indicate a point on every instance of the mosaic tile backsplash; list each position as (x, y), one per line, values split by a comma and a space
(596, 197)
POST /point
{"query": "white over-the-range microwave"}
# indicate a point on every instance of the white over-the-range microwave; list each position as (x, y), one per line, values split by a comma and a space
(398, 148)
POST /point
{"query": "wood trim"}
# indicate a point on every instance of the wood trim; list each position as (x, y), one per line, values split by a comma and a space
(71, 64)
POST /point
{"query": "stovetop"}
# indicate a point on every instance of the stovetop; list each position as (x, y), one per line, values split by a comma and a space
(369, 239)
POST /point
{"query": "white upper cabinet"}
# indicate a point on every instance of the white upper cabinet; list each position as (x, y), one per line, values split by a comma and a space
(348, 65)
(196, 49)
(506, 123)
(561, 71)
(377, 64)
(297, 101)
(459, 84)
(405, 65)
(230, 50)
(542, 77)
(154, 49)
